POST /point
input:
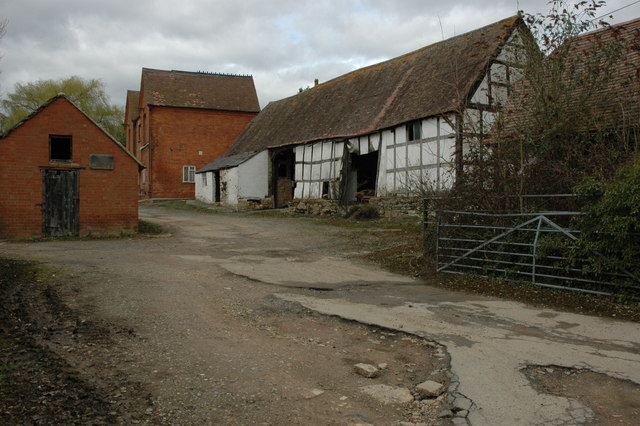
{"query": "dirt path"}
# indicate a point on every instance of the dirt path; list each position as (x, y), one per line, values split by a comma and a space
(186, 330)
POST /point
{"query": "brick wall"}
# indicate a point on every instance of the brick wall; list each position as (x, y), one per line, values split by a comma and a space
(187, 137)
(108, 198)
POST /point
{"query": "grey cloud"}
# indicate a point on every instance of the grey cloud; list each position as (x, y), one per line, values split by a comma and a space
(284, 44)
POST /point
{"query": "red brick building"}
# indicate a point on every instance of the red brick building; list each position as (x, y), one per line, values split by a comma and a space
(179, 121)
(62, 174)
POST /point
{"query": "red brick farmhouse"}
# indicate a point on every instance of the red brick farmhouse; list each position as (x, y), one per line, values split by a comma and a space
(179, 121)
(62, 174)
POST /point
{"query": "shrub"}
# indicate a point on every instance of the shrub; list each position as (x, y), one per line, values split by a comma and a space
(610, 231)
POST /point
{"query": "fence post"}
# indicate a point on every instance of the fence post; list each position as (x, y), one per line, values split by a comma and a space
(535, 249)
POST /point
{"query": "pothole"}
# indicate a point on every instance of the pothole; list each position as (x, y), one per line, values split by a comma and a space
(608, 400)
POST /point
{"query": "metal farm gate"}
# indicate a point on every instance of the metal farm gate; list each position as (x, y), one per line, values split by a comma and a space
(533, 247)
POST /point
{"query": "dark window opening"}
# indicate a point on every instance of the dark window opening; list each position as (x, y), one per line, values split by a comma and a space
(325, 189)
(60, 148)
(414, 131)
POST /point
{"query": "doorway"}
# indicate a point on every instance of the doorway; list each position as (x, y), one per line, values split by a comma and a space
(283, 166)
(60, 202)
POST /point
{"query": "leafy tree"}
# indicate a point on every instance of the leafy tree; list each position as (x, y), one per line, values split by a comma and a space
(89, 95)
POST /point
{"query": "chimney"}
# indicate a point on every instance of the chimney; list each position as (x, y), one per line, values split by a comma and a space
(315, 82)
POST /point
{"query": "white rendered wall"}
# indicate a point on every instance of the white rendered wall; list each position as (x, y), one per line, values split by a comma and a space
(205, 192)
(253, 177)
(229, 187)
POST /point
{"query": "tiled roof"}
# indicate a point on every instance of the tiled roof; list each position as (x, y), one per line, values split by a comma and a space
(429, 81)
(199, 90)
(133, 98)
(613, 98)
(226, 162)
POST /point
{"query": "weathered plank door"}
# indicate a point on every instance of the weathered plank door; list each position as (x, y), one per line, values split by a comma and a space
(60, 202)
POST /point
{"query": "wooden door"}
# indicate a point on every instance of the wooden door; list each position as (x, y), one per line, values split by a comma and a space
(60, 202)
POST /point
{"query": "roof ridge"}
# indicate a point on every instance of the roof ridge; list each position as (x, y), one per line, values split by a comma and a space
(513, 18)
(214, 73)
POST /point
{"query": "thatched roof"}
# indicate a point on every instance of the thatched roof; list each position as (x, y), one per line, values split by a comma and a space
(430, 81)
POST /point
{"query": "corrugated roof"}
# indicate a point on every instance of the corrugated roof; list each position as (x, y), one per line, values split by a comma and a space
(133, 99)
(226, 162)
(199, 90)
(429, 81)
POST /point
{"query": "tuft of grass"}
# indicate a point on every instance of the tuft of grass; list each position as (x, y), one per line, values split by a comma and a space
(149, 228)
(184, 205)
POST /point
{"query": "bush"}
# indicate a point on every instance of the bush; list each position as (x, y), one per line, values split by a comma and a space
(610, 231)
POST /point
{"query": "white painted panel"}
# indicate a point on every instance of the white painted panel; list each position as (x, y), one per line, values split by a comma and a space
(298, 171)
(307, 152)
(298, 151)
(387, 138)
(481, 94)
(306, 170)
(488, 118)
(414, 182)
(414, 155)
(317, 151)
(253, 177)
(430, 128)
(297, 191)
(447, 178)
(315, 172)
(499, 73)
(401, 157)
(326, 150)
(430, 179)
(374, 141)
(430, 153)
(390, 183)
(445, 127)
(499, 94)
(401, 134)
(364, 145)
(515, 74)
(447, 149)
(389, 158)
(401, 182)
(472, 120)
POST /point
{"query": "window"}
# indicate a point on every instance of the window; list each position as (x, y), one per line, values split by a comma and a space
(59, 148)
(414, 131)
(189, 174)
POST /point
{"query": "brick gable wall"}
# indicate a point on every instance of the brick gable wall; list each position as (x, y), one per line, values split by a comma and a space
(186, 137)
(108, 198)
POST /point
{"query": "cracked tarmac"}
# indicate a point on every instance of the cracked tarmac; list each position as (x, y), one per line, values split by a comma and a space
(491, 342)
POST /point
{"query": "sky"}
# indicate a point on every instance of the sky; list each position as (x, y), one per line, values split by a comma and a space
(283, 44)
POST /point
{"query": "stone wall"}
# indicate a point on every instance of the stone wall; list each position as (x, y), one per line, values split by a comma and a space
(388, 207)
(397, 206)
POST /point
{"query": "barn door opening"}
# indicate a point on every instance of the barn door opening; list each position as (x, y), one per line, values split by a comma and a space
(362, 176)
(283, 166)
(60, 202)
(216, 178)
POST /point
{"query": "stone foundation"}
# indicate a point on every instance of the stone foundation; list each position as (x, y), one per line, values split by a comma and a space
(388, 207)
(255, 204)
